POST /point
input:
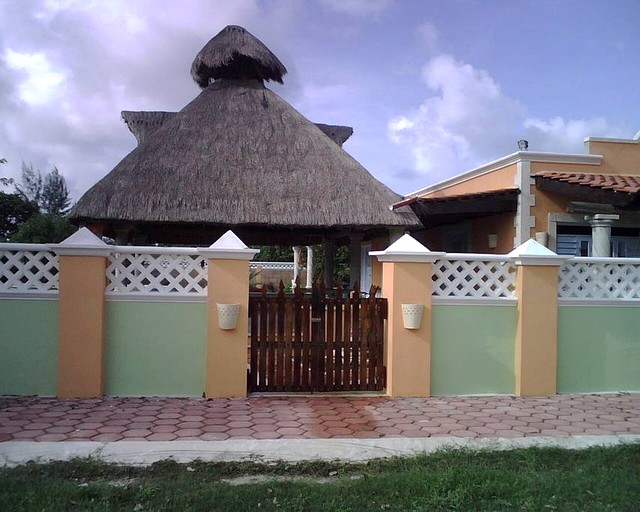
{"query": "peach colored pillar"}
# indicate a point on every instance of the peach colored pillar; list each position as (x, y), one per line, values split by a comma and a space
(406, 279)
(537, 334)
(81, 302)
(228, 283)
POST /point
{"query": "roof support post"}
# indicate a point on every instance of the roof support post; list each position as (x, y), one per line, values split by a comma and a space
(296, 263)
(355, 258)
(329, 246)
(309, 266)
(228, 284)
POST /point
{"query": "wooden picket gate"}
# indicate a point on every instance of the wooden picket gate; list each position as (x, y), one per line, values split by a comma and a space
(316, 343)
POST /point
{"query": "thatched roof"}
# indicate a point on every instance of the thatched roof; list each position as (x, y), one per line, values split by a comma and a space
(239, 156)
(142, 124)
(235, 53)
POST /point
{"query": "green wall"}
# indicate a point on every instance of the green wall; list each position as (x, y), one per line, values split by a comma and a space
(598, 348)
(28, 347)
(155, 348)
(472, 349)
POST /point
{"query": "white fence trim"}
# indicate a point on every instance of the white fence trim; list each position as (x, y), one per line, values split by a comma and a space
(153, 272)
(474, 276)
(28, 269)
(600, 279)
(474, 301)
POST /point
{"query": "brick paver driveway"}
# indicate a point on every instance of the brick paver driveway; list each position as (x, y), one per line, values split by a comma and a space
(168, 419)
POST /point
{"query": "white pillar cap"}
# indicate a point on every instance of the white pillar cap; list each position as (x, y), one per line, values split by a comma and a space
(407, 249)
(82, 243)
(534, 253)
(228, 247)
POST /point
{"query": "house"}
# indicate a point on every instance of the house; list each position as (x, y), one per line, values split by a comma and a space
(575, 204)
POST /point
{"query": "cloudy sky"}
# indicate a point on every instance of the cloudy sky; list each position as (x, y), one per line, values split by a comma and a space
(431, 87)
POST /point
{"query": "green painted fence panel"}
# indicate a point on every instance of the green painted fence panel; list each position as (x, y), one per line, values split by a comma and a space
(155, 348)
(28, 347)
(472, 349)
(598, 348)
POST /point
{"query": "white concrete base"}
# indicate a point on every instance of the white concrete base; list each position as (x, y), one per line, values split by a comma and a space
(13, 453)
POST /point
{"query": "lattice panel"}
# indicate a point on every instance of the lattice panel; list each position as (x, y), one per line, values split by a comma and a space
(272, 265)
(584, 280)
(171, 274)
(473, 278)
(23, 271)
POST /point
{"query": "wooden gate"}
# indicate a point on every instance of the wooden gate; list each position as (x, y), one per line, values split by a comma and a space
(313, 343)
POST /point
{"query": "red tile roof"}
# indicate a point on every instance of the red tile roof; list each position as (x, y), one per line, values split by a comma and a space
(617, 182)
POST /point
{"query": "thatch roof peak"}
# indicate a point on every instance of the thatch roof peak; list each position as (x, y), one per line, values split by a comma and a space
(236, 53)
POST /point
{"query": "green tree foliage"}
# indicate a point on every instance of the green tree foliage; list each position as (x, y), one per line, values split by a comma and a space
(44, 228)
(14, 210)
(49, 193)
(30, 187)
(275, 253)
(55, 195)
(5, 181)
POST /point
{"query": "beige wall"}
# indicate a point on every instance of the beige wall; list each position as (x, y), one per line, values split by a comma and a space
(494, 180)
(546, 203)
(501, 225)
(619, 157)
(479, 230)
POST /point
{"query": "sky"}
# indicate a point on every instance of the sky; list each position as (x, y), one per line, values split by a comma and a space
(432, 88)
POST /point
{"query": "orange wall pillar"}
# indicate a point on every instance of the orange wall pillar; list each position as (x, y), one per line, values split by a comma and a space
(228, 283)
(81, 301)
(536, 364)
(406, 279)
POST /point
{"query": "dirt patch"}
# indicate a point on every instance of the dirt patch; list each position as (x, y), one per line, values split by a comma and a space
(261, 479)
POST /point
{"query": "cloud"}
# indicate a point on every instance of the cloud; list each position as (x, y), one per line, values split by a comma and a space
(41, 83)
(361, 8)
(559, 133)
(68, 67)
(428, 36)
(466, 120)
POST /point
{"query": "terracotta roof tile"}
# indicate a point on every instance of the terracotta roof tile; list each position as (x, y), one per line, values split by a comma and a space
(617, 182)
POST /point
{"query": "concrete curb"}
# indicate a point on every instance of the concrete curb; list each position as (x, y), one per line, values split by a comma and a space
(14, 453)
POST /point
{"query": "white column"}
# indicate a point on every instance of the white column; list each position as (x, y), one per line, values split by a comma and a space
(309, 266)
(601, 234)
(296, 263)
(355, 261)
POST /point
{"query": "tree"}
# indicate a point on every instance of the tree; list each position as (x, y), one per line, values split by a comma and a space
(5, 181)
(55, 196)
(31, 184)
(14, 210)
(44, 228)
(50, 194)
(275, 253)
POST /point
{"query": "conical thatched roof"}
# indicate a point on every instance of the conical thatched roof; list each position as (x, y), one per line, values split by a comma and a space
(239, 155)
(143, 124)
(235, 53)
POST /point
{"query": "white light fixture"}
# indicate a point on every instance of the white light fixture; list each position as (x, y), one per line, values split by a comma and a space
(493, 241)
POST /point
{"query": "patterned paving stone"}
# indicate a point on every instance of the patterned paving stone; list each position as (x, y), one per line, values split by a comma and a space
(107, 437)
(113, 418)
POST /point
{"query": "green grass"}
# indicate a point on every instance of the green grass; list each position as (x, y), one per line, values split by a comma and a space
(527, 479)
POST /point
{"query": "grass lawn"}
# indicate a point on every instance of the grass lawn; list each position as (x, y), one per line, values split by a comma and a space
(528, 479)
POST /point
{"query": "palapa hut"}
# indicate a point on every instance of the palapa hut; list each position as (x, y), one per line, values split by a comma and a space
(239, 157)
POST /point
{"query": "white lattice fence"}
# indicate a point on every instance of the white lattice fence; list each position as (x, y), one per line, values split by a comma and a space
(157, 272)
(591, 278)
(474, 276)
(28, 268)
(272, 265)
